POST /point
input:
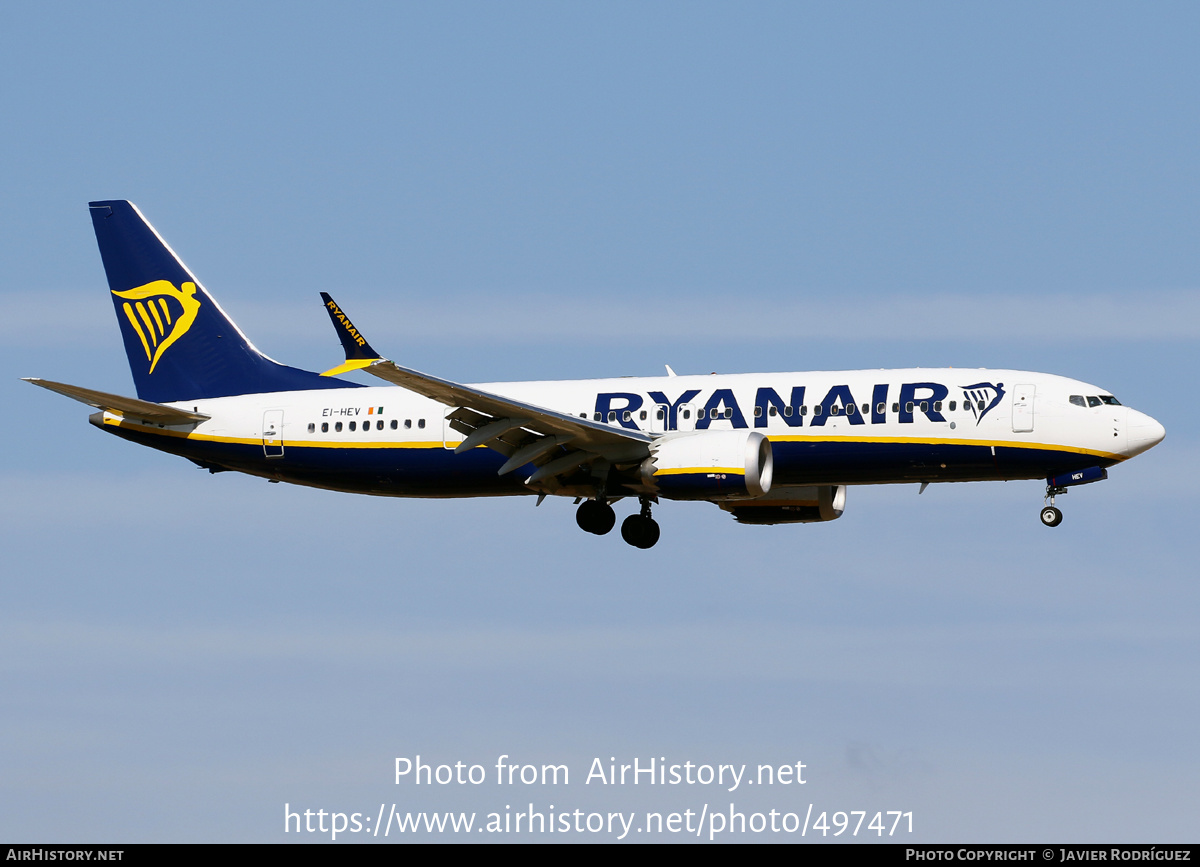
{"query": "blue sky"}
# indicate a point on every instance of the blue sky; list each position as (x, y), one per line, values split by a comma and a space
(561, 190)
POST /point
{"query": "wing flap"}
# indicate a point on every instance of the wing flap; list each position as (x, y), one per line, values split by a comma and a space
(554, 442)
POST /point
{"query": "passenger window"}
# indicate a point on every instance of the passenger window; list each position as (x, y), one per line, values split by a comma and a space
(908, 407)
(625, 416)
(353, 425)
(881, 408)
(1093, 401)
(937, 406)
(612, 415)
(598, 417)
(660, 415)
(866, 408)
(817, 409)
(421, 423)
(642, 415)
(1077, 400)
(804, 409)
(324, 427)
(758, 411)
(687, 413)
(953, 404)
(312, 428)
(408, 424)
(728, 412)
(771, 412)
(924, 406)
(379, 425)
(851, 409)
(338, 427)
(896, 407)
(787, 411)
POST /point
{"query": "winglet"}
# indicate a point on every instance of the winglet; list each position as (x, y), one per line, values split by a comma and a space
(359, 353)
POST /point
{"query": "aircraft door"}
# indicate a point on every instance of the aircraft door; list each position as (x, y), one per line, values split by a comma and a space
(272, 435)
(1022, 408)
(685, 416)
(450, 437)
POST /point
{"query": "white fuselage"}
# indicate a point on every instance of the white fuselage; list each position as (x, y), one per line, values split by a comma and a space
(826, 427)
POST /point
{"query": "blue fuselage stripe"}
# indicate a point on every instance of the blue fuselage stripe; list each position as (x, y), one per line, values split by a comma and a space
(437, 472)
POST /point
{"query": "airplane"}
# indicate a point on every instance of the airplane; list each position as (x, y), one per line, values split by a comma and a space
(773, 448)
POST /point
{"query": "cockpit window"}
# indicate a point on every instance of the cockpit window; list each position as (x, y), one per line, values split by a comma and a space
(1077, 400)
(1110, 400)
(1093, 400)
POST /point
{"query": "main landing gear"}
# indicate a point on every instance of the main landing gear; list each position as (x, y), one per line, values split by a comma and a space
(1051, 514)
(595, 516)
(640, 530)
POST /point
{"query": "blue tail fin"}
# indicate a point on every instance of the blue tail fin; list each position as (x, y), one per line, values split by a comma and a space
(180, 343)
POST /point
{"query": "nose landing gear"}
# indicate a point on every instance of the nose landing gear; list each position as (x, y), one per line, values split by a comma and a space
(640, 530)
(1051, 515)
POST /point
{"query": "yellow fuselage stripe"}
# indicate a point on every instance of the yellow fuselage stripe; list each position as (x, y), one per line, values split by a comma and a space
(734, 471)
(435, 444)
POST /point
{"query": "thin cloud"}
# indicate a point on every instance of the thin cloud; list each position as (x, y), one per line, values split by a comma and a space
(83, 319)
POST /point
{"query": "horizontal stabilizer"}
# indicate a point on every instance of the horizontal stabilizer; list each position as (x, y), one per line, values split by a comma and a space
(129, 407)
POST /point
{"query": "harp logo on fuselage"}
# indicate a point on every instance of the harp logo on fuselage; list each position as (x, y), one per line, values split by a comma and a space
(159, 314)
(983, 397)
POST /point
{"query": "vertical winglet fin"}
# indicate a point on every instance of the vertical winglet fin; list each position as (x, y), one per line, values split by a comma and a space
(359, 353)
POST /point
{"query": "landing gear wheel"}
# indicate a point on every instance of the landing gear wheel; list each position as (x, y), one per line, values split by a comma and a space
(640, 531)
(1051, 516)
(596, 517)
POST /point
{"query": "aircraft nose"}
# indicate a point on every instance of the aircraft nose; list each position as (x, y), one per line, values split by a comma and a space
(1144, 432)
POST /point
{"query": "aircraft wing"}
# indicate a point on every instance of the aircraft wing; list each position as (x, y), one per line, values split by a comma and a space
(553, 441)
(129, 407)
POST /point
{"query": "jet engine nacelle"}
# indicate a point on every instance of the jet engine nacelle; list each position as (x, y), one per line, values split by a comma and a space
(792, 505)
(710, 465)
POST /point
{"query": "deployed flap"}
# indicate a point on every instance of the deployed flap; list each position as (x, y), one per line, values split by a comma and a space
(129, 407)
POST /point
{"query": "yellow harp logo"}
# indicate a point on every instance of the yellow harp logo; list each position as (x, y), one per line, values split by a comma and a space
(151, 315)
